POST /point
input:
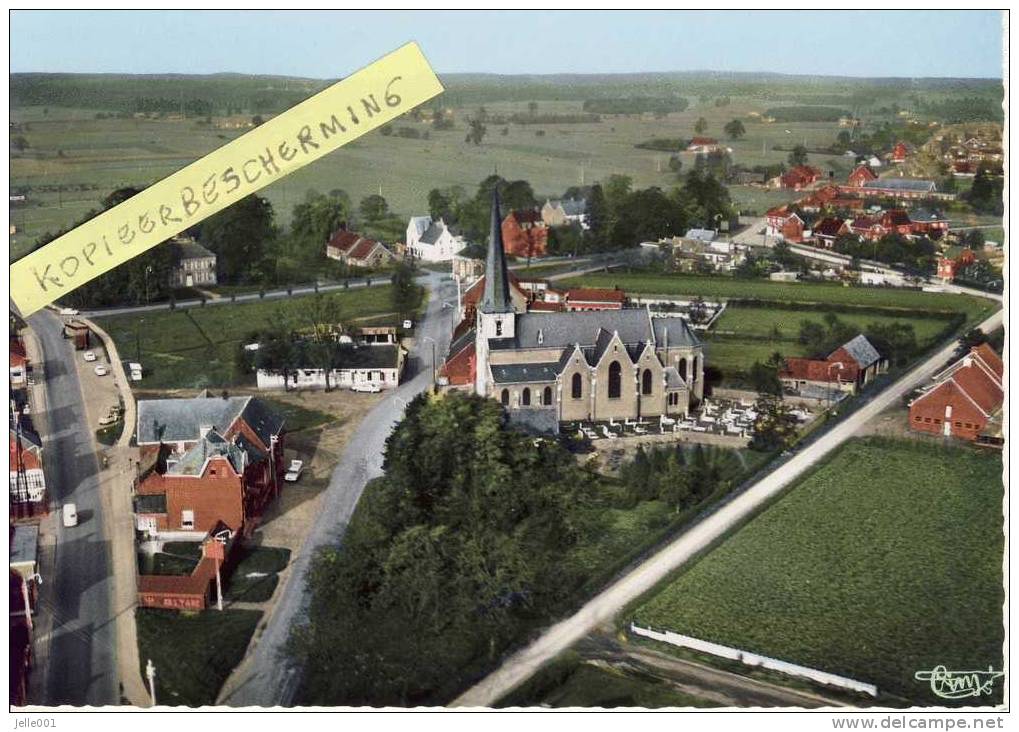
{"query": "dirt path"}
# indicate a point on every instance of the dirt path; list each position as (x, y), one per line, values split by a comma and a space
(722, 687)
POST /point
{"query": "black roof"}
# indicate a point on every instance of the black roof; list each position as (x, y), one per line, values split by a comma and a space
(496, 298)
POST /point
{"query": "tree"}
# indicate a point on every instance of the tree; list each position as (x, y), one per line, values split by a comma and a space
(701, 126)
(735, 129)
(257, 120)
(440, 206)
(476, 131)
(19, 143)
(798, 156)
(775, 426)
(374, 207)
(597, 215)
(241, 236)
(318, 216)
(617, 187)
(532, 108)
(405, 291)
(764, 379)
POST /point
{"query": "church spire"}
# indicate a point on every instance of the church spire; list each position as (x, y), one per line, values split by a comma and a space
(496, 298)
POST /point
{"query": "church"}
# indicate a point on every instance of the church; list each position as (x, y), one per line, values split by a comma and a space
(551, 367)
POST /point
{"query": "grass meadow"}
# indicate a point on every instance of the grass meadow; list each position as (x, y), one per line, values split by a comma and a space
(886, 560)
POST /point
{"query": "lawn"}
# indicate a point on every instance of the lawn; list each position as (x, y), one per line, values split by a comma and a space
(193, 652)
(886, 560)
(785, 324)
(255, 576)
(735, 356)
(805, 292)
(297, 417)
(196, 348)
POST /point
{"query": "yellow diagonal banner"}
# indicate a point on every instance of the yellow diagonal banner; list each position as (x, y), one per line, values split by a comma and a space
(371, 97)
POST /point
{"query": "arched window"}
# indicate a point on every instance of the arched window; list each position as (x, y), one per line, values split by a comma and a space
(547, 396)
(577, 390)
(615, 380)
(646, 382)
(682, 368)
(505, 397)
(525, 398)
(693, 370)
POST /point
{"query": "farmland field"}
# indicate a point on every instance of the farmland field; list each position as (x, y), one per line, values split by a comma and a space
(886, 560)
(763, 322)
(195, 348)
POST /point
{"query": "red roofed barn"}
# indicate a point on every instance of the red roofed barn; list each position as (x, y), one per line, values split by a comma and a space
(965, 400)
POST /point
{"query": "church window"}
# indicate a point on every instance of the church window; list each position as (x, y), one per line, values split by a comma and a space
(693, 370)
(525, 398)
(547, 396)
(505, 397)
(646, 382)
(615, 380)
(577, 390)
(498, 328)
(682, 368)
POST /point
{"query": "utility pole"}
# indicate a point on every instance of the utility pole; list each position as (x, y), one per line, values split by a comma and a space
(150, 672)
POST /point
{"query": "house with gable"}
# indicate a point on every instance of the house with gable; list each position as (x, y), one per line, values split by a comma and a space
(357, 251)
(206, 461)
(861, 176)
(965, 400)
(525, 234)
(432, 240)
(848, 368)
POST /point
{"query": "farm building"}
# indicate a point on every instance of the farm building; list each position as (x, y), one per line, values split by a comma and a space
(965, 400)
(861, 176)
(377, 364)
(357, 251)
(848, 368)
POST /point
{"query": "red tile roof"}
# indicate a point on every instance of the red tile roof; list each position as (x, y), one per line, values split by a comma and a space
(895, 217)
(979, 387)
(18, 356)
(541, 306)
(990, 357)
(595, 294)
(830, 226)
(703, 141)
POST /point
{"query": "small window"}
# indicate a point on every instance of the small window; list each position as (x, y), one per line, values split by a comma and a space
(505, 397)
(546, 398)
(615, 380)
(577, 389)
(187, 520)
(498, 327)
(525, 398)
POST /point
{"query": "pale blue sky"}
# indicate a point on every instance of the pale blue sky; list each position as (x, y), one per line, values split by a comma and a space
(326, 44)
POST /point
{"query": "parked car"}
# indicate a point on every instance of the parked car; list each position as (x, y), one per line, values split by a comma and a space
(294, 471)
(408, 324)
(101, 370)
(89, 355)
(136, 376)
(70, 514)
(109, 419)
(366, 387)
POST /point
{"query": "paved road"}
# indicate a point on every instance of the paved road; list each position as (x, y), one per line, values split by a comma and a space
(269, 679)
(82, 664)
(604, 606)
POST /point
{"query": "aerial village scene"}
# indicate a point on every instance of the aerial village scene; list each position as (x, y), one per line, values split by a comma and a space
(618, 376)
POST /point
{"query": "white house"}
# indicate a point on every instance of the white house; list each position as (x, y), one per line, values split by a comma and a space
(432, 241)
(372, 364)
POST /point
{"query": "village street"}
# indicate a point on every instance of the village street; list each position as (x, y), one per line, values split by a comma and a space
(78, 658)
(265, 677)
(603, 607)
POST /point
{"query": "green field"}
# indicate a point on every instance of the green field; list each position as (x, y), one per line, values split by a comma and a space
(884, 561)
(827, 294)
(193, 653)
(195, 348)
(763, 322)
(735, 356)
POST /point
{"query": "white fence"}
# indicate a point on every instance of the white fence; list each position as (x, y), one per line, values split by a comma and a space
(753, 659)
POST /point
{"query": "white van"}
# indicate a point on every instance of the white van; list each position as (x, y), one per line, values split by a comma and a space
(70, 515)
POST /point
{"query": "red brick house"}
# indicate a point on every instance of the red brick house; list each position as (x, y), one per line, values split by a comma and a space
(28, 481)
(849, 367)
(800, 177)
(897, 221)
(792, 229)
(863, 174)
(965, 399)
(949, 266)
(828, 229)
(459, 368)
(206, 461)
(867, 227)
(927, 222)
(525, 234)
(899, 153)
(19, 362)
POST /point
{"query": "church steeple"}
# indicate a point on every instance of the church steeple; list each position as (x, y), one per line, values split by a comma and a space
(496, 297)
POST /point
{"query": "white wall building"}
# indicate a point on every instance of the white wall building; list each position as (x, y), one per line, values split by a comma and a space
(432, 241)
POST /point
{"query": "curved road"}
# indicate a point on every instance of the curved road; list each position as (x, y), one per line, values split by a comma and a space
(602, 608)
(81, 667)
(267, 678)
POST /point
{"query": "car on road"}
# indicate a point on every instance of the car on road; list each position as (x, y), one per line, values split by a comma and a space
(101, 370)
(366, 387)
(293, 473)
(109, 419)
(89, 355)
(70, 515)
